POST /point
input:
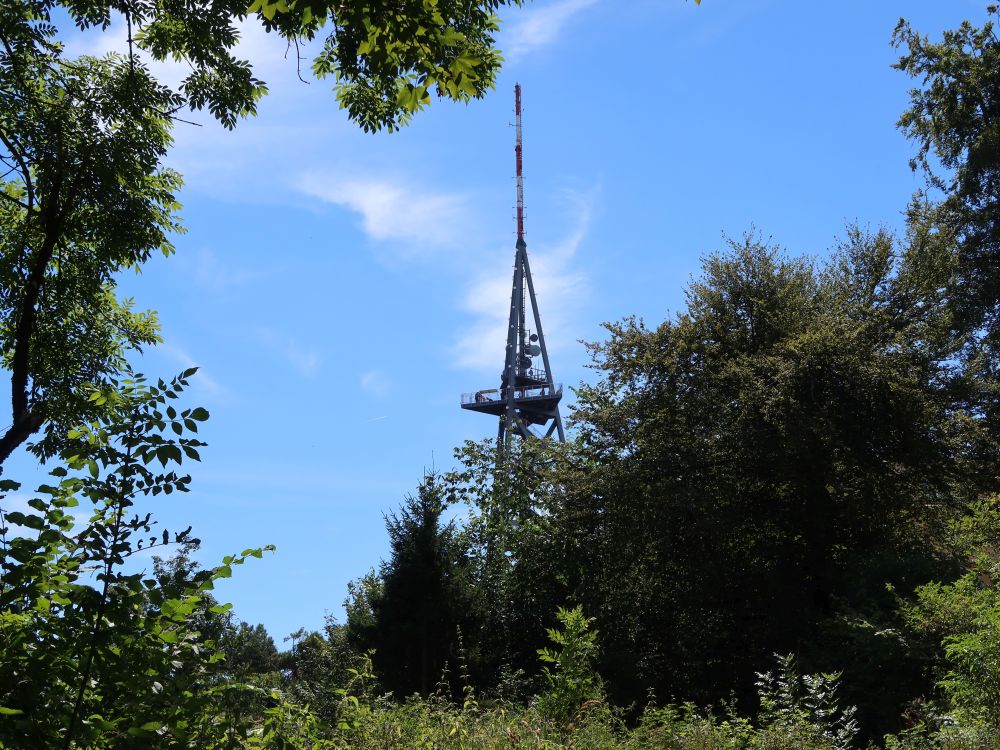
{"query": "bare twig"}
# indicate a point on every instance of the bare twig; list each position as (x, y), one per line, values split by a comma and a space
(298, 58)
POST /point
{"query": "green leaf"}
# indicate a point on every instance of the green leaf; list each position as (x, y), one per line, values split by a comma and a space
(28, 521)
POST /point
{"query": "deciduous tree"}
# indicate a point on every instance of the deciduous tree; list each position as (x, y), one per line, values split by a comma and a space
(83, 196)
(767, 460)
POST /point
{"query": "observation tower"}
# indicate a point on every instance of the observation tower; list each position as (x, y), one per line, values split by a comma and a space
(527, 401)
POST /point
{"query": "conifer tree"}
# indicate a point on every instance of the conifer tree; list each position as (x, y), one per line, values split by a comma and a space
(418, 610)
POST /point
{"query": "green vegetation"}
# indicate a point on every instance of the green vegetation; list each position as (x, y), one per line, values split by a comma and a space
(776, 525)
(95, 655)
(84, 195)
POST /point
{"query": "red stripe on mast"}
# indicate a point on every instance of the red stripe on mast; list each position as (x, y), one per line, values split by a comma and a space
(517, 158)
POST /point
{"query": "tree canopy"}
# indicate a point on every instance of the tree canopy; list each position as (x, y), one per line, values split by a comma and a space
(802, 462)
(954, 117)
(385, 58)
(84, 195)
(780, 442)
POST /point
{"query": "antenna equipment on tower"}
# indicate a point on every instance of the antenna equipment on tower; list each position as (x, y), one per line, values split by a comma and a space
(527, 401)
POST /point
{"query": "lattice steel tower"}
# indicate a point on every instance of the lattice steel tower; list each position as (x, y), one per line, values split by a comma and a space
(527, 401)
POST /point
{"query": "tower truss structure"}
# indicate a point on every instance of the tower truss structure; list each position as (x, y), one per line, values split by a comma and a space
(527, 401)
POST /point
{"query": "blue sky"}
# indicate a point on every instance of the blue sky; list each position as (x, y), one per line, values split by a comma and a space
(340, 290)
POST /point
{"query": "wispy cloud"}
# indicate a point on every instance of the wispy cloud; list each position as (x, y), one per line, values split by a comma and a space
(560, 288)
(376, 383)
(393, 209)
(540, 25)
(184, 359)
(210, 272)
(303, 359)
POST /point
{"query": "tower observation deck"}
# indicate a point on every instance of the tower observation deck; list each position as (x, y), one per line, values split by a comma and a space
(527, 399)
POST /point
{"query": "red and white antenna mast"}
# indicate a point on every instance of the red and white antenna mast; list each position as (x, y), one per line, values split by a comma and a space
(517, 158)
(528, 397)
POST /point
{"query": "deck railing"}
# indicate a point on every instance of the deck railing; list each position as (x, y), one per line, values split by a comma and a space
(535, 373)
(527, 393)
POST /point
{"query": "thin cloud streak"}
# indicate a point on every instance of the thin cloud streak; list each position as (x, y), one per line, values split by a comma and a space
(210, 272)
(540, 26)
(305, 361)
(376, 383)
(560, 289)
(393, 209)
(181, 356)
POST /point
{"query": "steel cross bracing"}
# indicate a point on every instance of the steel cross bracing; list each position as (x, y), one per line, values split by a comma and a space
(527, 396)
(534, 397)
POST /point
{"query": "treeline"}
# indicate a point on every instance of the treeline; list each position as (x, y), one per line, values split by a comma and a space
(777, 525)
(802, 462)
(784, 468)
(797, 475)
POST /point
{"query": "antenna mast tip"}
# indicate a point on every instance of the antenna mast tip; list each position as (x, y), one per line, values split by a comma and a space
(517, 158)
